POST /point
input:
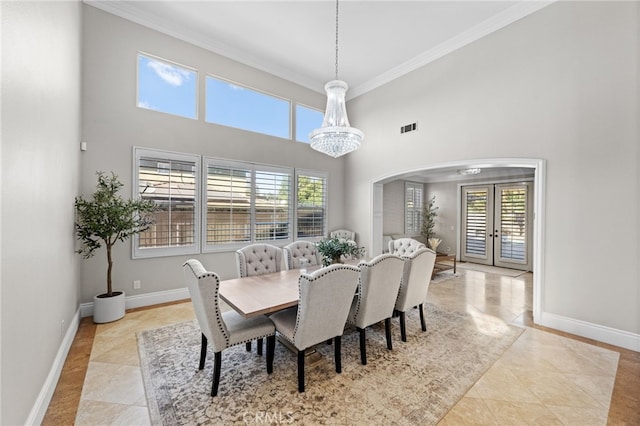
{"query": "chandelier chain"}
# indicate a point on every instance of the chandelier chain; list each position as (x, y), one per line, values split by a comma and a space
(336, 39)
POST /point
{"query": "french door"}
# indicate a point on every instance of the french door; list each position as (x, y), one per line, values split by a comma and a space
(496, 225)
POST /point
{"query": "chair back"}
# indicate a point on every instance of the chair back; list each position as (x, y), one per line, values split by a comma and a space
(258, 259)
(203, 288)
(325, 299)
(378, 289)
(343, 233)
(301, 250)
(405, 246)
(415, 279)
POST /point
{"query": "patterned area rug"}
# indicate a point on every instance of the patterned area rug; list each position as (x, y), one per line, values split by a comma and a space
(417, 382)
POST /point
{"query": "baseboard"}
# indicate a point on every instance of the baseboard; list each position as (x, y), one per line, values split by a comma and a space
(39, 409)
(612, 336)
(142, 300)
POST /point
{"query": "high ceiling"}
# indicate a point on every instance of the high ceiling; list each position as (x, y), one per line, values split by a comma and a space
(295, 40)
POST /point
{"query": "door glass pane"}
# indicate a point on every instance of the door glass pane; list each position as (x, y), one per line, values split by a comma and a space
(476, 236)
(513, 207)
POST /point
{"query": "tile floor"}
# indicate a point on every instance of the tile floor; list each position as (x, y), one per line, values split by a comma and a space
(544, 378)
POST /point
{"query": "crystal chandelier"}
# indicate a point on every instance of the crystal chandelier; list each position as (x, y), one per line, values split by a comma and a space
(336, 137)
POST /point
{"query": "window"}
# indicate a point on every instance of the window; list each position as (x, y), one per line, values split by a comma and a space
(167, 87)
(413, 207)
(246, 203)
(171, 180)
(311, 205)
(236, 106)
(307, 119)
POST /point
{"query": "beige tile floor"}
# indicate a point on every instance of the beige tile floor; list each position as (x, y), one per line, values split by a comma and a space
(542, 378)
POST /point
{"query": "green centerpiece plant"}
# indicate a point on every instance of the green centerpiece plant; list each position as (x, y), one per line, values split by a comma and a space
(332, 249)
(107, 218)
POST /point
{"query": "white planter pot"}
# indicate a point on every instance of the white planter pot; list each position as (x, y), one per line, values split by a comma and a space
(108, 309)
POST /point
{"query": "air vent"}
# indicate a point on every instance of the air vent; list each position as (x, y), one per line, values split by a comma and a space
(409, 128)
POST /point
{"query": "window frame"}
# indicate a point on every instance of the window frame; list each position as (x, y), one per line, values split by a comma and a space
(417, 211)
(177, 64)
(314, 174)
(295, 136)
(253, 168)
(290, 102)
(151, 252)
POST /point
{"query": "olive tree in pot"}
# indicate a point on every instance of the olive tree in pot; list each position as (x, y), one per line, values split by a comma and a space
(105, 219)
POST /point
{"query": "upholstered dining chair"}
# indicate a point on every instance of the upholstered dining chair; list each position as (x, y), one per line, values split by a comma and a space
(321, 314)
(298, 250)
(343, 233)
(404, 246)
(377, 291)
(414, 286)
(222, 329)
(258, 259)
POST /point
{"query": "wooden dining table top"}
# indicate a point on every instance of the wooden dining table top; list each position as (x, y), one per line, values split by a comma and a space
(262, 294)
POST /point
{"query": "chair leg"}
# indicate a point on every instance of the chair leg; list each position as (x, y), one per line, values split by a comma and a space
(387, 331)
(248, 346)
(424, 325)
(203, 352)
(403, 329)
(329, 341)
(271, 346)
(259, 343)
(300, 371)
(217, 363)
(337, 354)
(363, 346)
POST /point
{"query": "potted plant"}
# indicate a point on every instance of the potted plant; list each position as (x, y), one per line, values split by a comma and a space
(332, 249)
(105, 219)
(429, 213)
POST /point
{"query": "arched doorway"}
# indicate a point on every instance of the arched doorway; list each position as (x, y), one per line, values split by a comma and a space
(491, 169)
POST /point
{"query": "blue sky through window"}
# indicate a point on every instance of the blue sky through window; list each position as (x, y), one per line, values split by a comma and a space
(236, 106)
(307, 119)
(167, 87)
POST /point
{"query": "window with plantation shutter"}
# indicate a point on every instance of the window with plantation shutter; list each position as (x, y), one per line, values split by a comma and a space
(311, 206)
(513, 226)
(413, 207)
(171, 181)
(246, 203)
(476, 202)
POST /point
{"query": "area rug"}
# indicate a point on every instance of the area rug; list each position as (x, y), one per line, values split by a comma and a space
(446, 276)
(417, 382)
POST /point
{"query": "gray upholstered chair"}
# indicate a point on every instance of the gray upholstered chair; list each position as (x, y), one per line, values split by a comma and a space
(377, 292)
(321, 314)
(258, 259)
(404, 246)
(343, 233)
(226, 329)
(416, 277)
(298, 250)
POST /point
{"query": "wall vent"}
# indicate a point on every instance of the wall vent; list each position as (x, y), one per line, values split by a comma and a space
(409, 128)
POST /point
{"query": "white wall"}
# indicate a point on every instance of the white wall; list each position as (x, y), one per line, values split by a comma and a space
(562, 85)
(40, 168)
(112, 125)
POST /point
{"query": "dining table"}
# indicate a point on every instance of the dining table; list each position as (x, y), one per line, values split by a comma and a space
(265, 294)
(262, 294)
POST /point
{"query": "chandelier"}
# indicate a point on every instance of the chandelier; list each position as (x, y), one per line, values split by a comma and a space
(336, 137)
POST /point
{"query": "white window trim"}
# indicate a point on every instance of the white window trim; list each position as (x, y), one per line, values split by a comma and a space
(143, 253)
(414, 185)
(253, 167)
(312, 173)
(294, 133)
(187, 67)
(264, 92)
